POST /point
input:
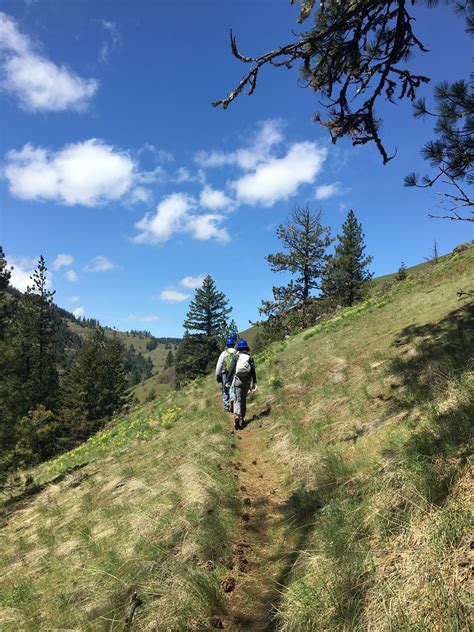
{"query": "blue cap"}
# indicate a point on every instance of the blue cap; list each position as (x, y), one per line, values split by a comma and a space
(233, 336)
(242, 344)
(230, 342)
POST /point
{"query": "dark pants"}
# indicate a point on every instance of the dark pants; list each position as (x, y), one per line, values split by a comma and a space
(241, 389)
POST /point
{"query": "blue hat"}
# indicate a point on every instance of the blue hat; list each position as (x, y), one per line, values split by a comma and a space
(230, 342)
(233, 336)
(242, 344)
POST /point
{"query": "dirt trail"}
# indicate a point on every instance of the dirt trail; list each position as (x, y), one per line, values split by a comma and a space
(261, 563)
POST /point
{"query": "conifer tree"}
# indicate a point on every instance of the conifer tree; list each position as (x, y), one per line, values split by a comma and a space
(402, 272)
(195, 356)
(346, 272)
(231, 328)
(305, 241)
(8, 387)
(207, 318)
(37, 348)
(169, 359)
(208, 311)
(95, 388)
(5, 275)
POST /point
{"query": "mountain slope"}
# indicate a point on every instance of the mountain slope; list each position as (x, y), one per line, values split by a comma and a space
(342, 505)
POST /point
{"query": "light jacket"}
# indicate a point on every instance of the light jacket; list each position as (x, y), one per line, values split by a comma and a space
(220, 366)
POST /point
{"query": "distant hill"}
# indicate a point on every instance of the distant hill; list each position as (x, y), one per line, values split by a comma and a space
(144, 349)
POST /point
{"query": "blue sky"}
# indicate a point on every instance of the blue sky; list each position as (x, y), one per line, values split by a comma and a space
(117, 169)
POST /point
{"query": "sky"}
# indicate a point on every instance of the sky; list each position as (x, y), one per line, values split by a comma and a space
(117, 169)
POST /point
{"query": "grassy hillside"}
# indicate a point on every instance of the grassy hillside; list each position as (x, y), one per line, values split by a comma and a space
(162, 380)
(344, 505)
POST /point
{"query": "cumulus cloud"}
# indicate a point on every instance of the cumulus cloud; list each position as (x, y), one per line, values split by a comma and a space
(71, 276)
(23, 269)
(21, 273)
(79, 312)
(62, 260)
(191, 283)
(100, 264)
(178, 213)
(88, 173)
(326, 191)
(73, 299)
(173, 296)
(269, 134)
(214, 200)
(38, 83)
(279, 178)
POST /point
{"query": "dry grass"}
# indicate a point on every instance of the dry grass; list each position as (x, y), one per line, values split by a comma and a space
(367, 421)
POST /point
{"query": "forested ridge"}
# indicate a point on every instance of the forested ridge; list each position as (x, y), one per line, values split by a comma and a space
(63, 377)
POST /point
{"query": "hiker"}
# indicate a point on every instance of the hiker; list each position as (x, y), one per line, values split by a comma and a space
(222, 369)
(241, 377)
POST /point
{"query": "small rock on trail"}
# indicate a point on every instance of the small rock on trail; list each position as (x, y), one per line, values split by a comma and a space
(228, 584)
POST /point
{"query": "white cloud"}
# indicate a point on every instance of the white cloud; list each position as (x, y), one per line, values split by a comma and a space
(325, 191)
(214, 200)
(79, 312)
(184, 175)
(37, 83)
(100, 264)
(88, 173)
(22, 270)
(279, 178)
(191, 283)
(206, 227)
(133, 318)
(113, 41)
(269, 134)
(71, 276)
(173, 296)
(62, 260)
(178, 213)
(151, 318)
(73, 299)
(140, 194)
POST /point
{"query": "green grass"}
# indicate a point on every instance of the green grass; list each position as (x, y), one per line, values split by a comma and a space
(369, 416)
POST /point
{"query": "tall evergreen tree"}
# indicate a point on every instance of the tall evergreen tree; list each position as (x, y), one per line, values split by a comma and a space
(37, 345)
(95, 388)
(8, 386)
(195, 356)
(208, 311)
(346, 272)
(305, 241)
(207, 318)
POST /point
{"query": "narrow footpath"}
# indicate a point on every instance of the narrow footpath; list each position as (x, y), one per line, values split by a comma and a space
(261, 549)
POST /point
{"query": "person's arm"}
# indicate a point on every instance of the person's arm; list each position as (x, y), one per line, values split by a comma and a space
(231, 371)
(253, 373)
(220, 364)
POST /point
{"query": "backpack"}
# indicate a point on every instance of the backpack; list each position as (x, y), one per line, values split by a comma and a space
(229, 356)
(243, 368)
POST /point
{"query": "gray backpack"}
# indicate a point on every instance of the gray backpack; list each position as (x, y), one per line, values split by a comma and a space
(243, 368)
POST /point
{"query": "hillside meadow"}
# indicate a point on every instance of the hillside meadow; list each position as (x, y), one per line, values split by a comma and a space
(343, 505)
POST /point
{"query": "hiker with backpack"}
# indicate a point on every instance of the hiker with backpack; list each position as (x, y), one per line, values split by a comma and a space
(241, 377)
(222, 370)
